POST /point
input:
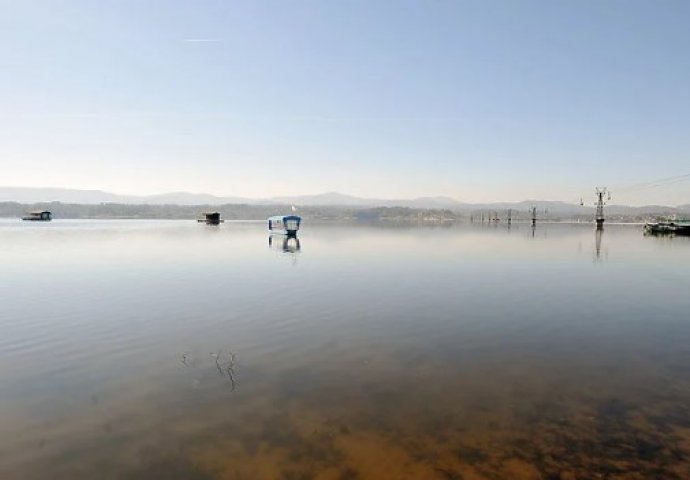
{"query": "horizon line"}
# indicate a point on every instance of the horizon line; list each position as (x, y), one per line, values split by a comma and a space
(290, 198)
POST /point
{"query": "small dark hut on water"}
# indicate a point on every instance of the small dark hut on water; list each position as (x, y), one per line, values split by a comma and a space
(211, 218)
(38, 216)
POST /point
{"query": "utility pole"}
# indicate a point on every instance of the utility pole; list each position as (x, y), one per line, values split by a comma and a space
(600, 192)
(510, 216)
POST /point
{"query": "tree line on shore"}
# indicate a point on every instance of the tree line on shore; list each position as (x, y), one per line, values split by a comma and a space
(323, 213)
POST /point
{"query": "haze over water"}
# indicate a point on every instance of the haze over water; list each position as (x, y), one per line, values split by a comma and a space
(154, 349)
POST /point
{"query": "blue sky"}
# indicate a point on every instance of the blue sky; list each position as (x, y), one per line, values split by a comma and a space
(478, 100)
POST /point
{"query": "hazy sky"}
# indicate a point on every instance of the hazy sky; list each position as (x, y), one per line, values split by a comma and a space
(479, 100)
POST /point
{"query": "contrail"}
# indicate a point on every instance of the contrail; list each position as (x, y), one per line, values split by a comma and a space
(202, 40)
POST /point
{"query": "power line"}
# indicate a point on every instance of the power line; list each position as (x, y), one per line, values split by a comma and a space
(661, 182)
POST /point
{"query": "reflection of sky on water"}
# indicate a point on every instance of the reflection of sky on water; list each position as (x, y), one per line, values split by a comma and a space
(361, 334)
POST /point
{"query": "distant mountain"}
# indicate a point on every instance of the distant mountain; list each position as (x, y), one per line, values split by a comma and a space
(434, 202)
(647, 209)
(339, 199)
(330, 199)
(67, 195)
(185, 198)
(525, 205)
(325, 199)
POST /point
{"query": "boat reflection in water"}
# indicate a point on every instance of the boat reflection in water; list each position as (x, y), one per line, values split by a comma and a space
(286, 243)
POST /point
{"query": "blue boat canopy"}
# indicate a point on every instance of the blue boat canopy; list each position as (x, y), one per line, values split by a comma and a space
(284, 218)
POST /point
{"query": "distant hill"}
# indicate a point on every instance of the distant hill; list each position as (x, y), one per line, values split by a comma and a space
(66, 195)
(87, 197)
(94, 197)
(329, 199)
(339, 199)
(324, 199)
(185, 198)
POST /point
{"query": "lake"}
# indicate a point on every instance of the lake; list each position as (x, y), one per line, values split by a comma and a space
(176, 350)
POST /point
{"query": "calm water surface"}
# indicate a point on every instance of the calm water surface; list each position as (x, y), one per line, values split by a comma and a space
(173, 350)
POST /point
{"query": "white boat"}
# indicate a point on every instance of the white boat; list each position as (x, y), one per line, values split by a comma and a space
(284, 224)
